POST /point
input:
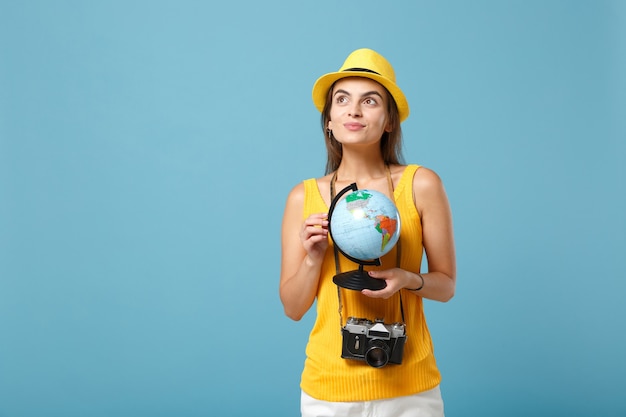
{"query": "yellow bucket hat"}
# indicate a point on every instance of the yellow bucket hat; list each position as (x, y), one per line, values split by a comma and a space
(363, 63)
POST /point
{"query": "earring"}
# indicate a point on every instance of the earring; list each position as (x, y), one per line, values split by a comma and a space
(329, 133)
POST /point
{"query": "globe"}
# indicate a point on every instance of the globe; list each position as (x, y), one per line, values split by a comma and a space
(365, 225)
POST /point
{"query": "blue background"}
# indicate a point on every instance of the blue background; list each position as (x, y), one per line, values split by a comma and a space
(147, 147)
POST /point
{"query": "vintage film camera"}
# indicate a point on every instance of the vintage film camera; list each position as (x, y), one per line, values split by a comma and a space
(375, 342)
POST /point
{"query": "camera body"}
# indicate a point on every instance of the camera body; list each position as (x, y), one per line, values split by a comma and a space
(375, 342)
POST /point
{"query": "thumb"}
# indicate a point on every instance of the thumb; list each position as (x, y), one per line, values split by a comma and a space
(377, 274)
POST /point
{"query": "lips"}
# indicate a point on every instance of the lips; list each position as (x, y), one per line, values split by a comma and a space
(353, 126)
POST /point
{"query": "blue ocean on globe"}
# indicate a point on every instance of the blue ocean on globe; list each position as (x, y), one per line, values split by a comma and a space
(365, 224)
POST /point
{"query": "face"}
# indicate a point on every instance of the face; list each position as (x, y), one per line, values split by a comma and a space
(358, 113)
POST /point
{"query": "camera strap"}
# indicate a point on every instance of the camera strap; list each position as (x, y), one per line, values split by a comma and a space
(336, 252)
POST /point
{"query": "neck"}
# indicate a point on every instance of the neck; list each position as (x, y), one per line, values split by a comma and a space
(365, 167)
(360, 174)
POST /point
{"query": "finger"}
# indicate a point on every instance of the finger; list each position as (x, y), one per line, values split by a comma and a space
(309, 231)
(384, 293)
(317, 238)
(315, 242)
(317, 217)
(378, 274)
(315, 220)
(311, 226)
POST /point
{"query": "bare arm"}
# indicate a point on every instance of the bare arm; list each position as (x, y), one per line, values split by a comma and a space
(438, 237)
(303, 247)
(440, 281)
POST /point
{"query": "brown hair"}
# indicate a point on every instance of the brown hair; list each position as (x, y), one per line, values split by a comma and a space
(390, 144)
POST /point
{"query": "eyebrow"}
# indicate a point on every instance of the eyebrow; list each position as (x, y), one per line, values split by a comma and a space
(368, 93)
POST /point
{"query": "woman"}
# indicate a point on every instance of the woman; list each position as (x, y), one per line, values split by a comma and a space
(362, 108)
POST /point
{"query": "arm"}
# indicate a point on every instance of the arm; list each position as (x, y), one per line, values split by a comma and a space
(303, 248)
(437, 235)
(438, 238)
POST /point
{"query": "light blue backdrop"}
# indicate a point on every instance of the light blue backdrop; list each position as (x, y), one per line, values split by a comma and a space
(147, 147)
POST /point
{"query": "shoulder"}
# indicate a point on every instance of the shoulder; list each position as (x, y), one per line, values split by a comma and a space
(319, 185)
(428, 189)
(296, 194)
(423, 179)
(294, 204)
(298, 191)
(426, 179)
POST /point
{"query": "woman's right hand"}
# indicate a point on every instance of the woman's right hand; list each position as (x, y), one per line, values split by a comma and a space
(314, 236)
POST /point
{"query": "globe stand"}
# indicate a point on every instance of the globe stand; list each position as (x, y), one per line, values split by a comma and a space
(358, 280)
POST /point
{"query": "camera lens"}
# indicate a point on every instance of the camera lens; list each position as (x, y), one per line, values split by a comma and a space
(377, 354)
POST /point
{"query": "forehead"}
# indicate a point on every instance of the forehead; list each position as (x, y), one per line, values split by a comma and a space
(359, 85)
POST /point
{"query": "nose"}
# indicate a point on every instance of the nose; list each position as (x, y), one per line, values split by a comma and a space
(355, 109)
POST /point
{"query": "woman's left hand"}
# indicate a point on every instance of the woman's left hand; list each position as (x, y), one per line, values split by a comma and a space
(395, 278)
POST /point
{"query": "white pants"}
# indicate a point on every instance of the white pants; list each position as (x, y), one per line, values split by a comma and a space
(425, 404)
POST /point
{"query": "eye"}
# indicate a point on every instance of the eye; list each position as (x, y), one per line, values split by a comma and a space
(341, 99)
(370, 101)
